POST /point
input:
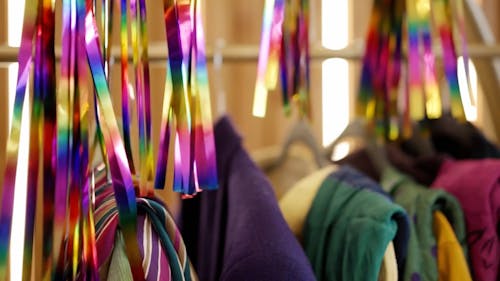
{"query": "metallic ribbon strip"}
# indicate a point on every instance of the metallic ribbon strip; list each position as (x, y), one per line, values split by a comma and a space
(60, 121)
(25, 59)
(186, 130)
(284, 52)
(443, 20)
(382, 79)
(120, 171)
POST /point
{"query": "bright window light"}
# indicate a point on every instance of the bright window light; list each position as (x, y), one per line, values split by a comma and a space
(335, 24)
(15, 24)
(335, 77)
(470, 106)
(15, 11)
(340, 151)
(335, 98)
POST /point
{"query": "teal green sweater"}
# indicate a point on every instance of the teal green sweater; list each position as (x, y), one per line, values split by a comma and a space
(347, 231)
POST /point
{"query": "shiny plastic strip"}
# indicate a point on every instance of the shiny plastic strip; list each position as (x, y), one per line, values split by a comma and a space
(88, 262)
(460, 19)
(147, 164)
(139, 35)
(366, 98)
(24, 58)
(443, 20)
(121, 176)
(65, 98)
(34, 150)
(186, 130)
(49, 143)
(175, 79)
(125, 89)
(183, 163)
(107, 30)
(260, 95)
(416, 94)
(205, 161)
(302, 64)
(433, 103)
(275, 45)
(394, 69)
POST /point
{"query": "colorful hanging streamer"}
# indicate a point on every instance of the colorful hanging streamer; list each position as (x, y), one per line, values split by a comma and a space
(142, 95)
(444, 25)
(284, 52)
(295, 60)
(411, 89)
(120, 171)
(261, 88)
(381, 70)
(25, 58)
(42, 135)
(61, 118)
(186, 130)
(60, 121)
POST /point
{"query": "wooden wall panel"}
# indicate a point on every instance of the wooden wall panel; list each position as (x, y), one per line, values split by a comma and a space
(492, 10)
(485, 121)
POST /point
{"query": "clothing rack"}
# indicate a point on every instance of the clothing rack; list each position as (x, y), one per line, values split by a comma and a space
(235, 53)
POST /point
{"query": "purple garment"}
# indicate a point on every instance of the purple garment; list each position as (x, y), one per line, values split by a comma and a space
(238, 232)
(475, 183)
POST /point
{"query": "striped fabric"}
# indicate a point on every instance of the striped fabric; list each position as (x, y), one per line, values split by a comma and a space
(160, 242)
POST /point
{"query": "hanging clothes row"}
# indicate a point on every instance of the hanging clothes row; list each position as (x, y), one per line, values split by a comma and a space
(472, 182)
(437, 222)
(442, 217)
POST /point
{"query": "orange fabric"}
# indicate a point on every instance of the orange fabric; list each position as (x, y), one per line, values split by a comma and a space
(452, 264)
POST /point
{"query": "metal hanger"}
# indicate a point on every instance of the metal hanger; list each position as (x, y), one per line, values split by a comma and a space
(359, 129)
(300, 133)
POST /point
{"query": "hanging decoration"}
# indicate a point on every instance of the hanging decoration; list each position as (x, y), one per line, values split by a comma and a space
(381, 68)
(36, 47)
(443, 10)
(186, 129)
(284, 53)
(64, 111)
(399, 79)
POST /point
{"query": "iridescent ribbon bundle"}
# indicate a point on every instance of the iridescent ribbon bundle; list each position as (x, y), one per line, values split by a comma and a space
(284, 53)
(60, 162)
(186, 129)
(381, 70)
(399, 80)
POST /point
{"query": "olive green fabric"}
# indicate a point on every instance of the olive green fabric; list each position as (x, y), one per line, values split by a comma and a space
(420, 203)
(119, 268)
